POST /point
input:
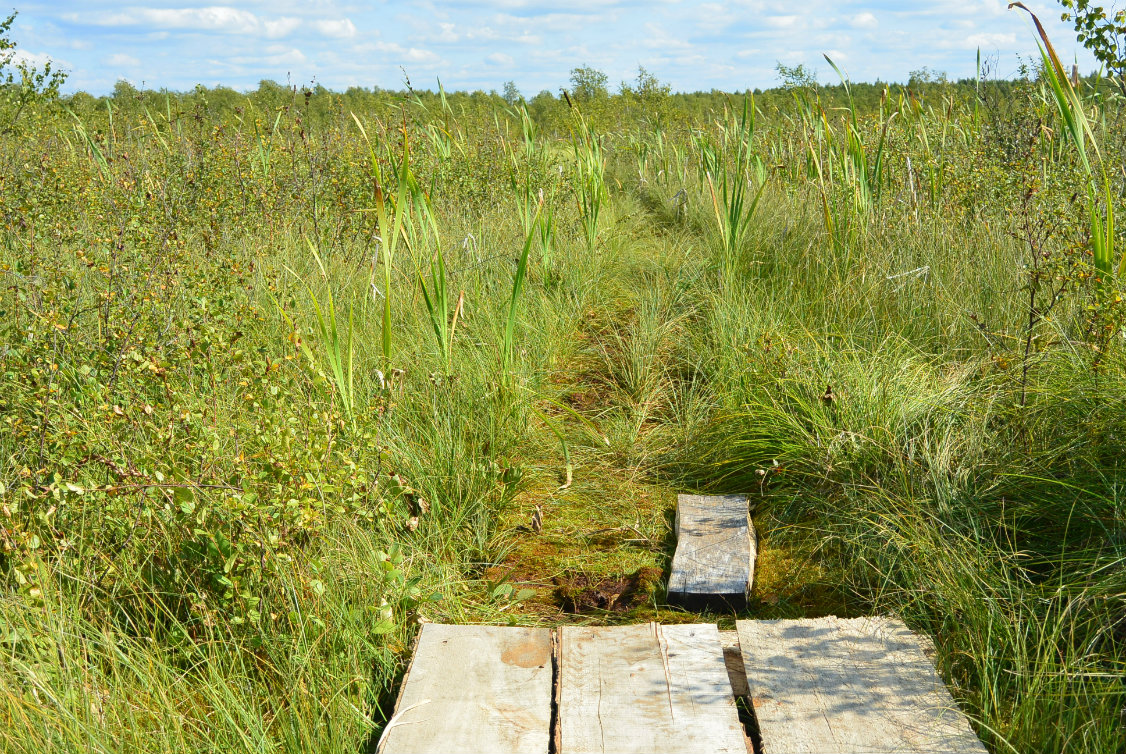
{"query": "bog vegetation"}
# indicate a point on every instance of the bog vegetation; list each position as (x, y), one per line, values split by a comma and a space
(280, 373)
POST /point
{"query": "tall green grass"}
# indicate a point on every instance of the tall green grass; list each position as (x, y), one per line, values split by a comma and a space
(392, 205)
(589, 177)
(337, 347)
(1097, 186)
(923, 485)
(731, 170)
(221, 530)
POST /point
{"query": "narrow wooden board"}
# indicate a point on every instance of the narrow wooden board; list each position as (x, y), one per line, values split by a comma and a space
(645, 688)
(733, 658)
(715, 551)
(475, 689)
(849, 686)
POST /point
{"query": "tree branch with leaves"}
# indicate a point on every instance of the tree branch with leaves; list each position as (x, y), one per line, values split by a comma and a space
(21, 83)
(1102, 32)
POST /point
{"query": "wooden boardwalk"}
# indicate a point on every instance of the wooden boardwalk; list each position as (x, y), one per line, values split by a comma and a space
(645, 688)
(858, 686)
(850, 686)
(475, 689)
(825, 685)
(715, 552)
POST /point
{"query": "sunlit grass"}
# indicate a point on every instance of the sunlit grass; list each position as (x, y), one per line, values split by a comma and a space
(277, 384)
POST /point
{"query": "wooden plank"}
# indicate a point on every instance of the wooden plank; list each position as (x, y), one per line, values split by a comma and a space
(475, 689)
(715, 552)
(645, 688)
(733, 658)
(849, 686)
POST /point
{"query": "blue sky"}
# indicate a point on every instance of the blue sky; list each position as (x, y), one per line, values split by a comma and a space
(725, 44)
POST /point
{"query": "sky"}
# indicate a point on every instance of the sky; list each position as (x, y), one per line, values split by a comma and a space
(726, 44)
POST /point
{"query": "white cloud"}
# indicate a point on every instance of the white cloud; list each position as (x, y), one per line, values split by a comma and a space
(554, 23)
(33, 59)
(216, 18)
(400, 53)
(656, 37)
(121, 60)
(277, 55)
(276, 28)
(341, 29)
(499, 58)
(864, 21)
(782, 22)
(447, 34)
(988, 41)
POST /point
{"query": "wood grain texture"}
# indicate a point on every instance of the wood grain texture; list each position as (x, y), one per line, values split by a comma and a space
(645, 688)
(733, 658)
(849, 686)
(715, 551)
(475, 689)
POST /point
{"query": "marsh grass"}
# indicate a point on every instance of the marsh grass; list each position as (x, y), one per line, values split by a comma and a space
(153, 682)
(337, 347)
(589, 177)
(934, 493)
(731, 170)
(221, 529)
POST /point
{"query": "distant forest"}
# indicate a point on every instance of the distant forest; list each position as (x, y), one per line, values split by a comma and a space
(645, 99)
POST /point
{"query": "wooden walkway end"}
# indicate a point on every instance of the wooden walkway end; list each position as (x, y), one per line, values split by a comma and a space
(715, 552)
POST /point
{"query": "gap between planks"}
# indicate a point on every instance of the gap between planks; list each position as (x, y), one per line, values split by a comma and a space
(828, 684)
(620, 689)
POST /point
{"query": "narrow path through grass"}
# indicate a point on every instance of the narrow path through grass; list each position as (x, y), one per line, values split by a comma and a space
(605, 541)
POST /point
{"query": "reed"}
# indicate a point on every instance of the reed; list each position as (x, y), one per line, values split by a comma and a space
(508, 342)
(337, 346)
(731, 183)
(588, 177)
(391, 210)
(1097, 184)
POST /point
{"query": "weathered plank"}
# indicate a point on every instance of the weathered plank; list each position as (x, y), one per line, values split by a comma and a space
(475, 689)
(645, 688)
(715, 551)
(849, 686)
(733, 658)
